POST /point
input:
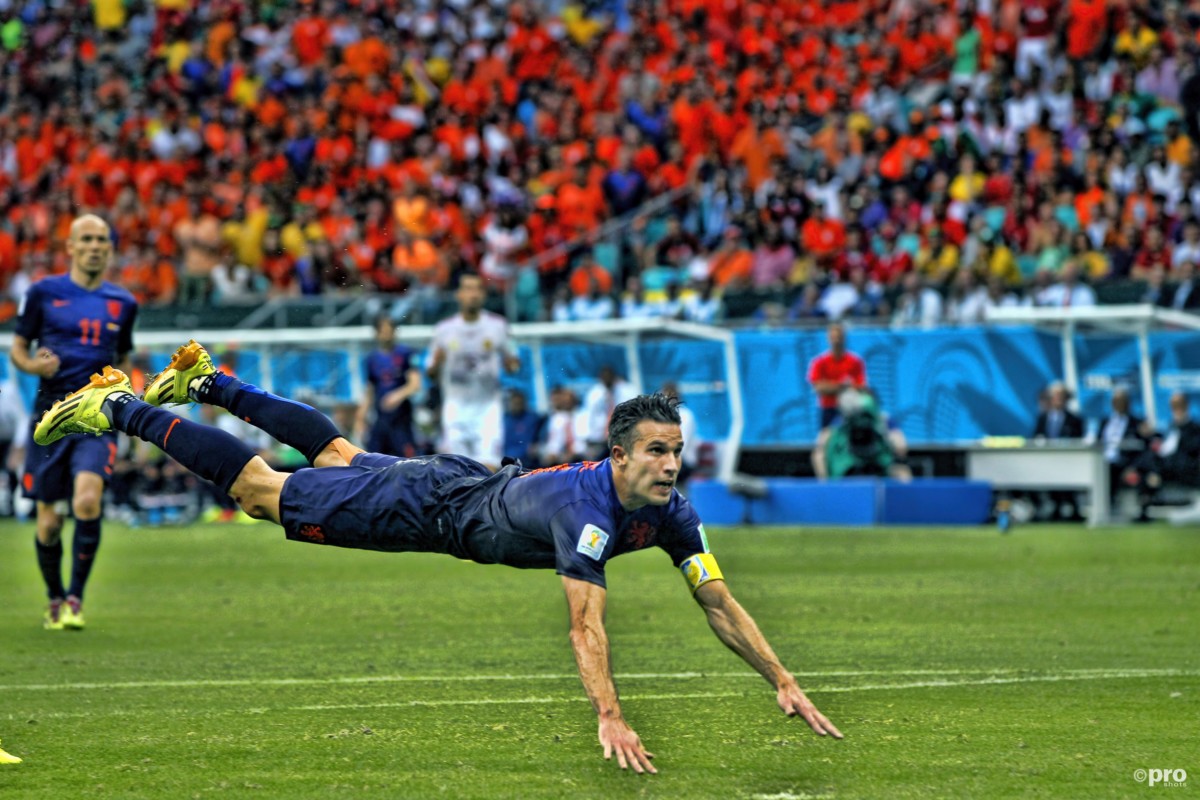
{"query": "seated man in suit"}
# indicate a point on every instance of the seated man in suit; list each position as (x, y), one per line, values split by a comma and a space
(1124, 438)
(1173, 456)
(1059, 422)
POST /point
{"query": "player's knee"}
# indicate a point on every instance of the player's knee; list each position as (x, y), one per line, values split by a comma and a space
(86, 505)
(49, 535)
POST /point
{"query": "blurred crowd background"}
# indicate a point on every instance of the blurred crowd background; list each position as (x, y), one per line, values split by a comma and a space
(912, 161)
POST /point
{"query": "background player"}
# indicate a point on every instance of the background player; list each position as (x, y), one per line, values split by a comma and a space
(391, 383)
(570, 518)
(80, 323)
(469, 350)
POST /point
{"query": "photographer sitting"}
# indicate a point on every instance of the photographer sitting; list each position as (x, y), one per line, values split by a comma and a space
(860, 441)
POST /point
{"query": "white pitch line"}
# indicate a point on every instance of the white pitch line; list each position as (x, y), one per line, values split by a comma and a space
(1079, 675)
(373, 679)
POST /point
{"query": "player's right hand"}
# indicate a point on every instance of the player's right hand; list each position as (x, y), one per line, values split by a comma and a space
(617, 737)
(47, 362)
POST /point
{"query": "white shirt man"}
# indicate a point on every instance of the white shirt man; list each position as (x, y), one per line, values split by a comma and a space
(566, 430)
(469, 352)
(610, 390)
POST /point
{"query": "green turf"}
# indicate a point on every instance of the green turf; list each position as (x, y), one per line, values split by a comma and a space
(1053, 662)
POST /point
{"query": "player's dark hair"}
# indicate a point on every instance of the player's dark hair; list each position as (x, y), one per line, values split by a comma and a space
(656, 407)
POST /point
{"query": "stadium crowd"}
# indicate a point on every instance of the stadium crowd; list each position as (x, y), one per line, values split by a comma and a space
(914, 160)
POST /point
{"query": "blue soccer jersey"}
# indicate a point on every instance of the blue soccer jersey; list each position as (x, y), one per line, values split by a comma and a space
(87, 330)
(387, 371)
(566, 518)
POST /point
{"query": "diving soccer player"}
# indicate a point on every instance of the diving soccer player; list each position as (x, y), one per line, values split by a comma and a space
(572, 518)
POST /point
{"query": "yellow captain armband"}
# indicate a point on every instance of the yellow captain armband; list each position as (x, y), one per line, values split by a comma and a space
(700, 569)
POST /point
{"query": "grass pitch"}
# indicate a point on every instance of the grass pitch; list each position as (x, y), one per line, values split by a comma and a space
(223, 661)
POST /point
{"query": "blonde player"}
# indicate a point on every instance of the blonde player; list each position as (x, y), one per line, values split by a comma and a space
(468, 354)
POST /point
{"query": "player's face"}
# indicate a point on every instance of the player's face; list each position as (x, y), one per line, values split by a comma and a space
(90, 248)
(385, 333)
(470, 295)
(650, 469)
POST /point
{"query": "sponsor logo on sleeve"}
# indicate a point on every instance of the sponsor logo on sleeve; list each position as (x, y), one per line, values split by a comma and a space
(592, 542)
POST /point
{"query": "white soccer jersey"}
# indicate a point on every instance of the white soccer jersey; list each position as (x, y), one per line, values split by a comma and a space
(473, 355)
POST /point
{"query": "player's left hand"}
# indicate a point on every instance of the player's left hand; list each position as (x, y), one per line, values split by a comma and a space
(795, 704)
(48, 362)
(618, 738)
(392, 400)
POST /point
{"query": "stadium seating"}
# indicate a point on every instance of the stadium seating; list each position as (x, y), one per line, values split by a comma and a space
(312, 153)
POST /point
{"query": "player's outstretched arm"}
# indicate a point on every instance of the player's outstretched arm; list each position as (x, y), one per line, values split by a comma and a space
(589, 640)
(738, 631)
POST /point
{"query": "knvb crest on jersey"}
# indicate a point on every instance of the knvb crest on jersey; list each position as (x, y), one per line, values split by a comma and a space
(640, 534)
(114, 308)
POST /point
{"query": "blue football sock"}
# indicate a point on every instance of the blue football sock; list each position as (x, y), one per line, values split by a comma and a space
(49, 558)
(209, 452)
(83, 551)
(294, 424)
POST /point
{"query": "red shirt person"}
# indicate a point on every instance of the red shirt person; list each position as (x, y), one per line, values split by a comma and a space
(834, 370)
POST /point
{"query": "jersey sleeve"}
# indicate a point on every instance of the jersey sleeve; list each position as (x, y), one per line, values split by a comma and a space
(29, 323)
(583, 542)
(125, 337)
(687, 533)
(688, 547)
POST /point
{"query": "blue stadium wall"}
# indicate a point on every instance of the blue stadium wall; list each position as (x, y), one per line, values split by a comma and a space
(939, 386)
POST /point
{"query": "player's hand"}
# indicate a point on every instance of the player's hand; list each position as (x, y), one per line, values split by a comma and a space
(392, 400)
(795, 704)
(617, 737)
(47, 363)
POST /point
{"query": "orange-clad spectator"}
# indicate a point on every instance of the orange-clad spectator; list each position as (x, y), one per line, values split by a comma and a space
(1179, 146)
(419, 262)
(337, 223)
(1087, 26)
(819, 100)
(579, 203)
(152, 279)
(589, 278)
(732, 262)
(310, 38)
(367, 56)
(821, 235)
(1139, 204)
(1090, 199)
(412, 210)
(756, 148)
(9, 263)
(279, 266)
(545, 235)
